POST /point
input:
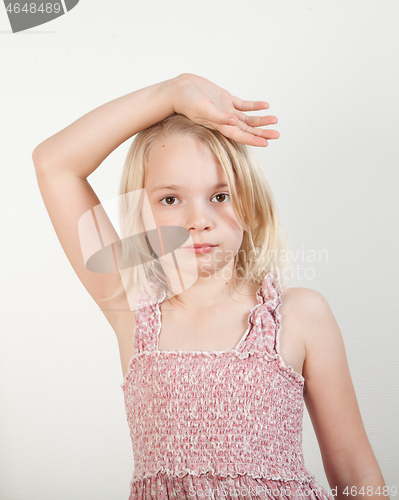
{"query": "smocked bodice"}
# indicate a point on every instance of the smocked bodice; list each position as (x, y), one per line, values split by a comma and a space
(228, 412)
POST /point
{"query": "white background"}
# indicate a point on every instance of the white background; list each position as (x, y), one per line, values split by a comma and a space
(330, 73)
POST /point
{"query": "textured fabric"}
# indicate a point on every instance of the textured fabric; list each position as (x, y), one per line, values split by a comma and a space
(226, 422)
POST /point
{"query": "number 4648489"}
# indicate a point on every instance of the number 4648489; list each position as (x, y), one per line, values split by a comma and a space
(33, 7)
(370, 491)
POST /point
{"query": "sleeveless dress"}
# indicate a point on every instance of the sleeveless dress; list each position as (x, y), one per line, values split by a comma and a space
(221, 424)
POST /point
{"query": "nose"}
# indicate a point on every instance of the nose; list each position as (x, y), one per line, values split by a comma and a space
(198, 217)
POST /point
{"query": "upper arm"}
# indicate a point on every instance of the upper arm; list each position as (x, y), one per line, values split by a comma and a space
(67, 197)
(330, 396)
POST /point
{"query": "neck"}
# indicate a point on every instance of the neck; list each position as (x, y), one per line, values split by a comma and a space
(210, 291)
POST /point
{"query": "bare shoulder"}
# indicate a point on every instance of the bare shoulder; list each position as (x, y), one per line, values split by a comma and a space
(311, 312)
(303, 297)
(303, 307)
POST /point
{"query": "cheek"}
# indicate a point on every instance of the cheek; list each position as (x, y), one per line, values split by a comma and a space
(233, 224)
(233, 234)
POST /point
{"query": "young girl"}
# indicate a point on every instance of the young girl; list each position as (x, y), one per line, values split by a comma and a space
(218, 354)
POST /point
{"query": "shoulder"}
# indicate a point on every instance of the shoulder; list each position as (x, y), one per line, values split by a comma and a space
(312, 315)
(308, 313)
(305, 307)
(304, 297)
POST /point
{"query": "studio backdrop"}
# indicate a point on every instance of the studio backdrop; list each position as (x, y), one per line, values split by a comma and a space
(329, 72)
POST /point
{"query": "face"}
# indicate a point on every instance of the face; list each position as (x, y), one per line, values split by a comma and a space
(198, 201)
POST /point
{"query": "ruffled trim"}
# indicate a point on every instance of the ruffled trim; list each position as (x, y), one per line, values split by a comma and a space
(304, 478)
(206, 354)
(270, 290)
(219, 488)
(281, 364)
(262, 298)
(285, 371)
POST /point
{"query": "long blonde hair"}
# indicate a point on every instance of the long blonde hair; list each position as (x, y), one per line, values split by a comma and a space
(264, 246)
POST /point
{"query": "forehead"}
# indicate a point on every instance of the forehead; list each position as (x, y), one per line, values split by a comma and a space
(182, 160)
(175, 147)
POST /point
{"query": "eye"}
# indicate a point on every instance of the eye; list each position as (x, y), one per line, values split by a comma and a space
(222, 194)
(168, 198)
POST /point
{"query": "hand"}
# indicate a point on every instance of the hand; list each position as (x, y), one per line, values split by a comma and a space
(205, 103)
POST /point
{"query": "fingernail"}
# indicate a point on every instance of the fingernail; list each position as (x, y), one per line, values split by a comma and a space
(232, 121)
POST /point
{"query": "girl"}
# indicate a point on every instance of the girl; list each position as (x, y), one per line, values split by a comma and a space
(215, 371)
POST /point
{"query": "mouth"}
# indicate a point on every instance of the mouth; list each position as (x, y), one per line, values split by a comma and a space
(200, 248)
(200, 245)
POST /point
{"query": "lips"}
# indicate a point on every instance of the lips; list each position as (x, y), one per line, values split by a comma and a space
(200, 245)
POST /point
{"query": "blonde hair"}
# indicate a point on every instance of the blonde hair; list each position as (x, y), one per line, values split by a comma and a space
(264, 246)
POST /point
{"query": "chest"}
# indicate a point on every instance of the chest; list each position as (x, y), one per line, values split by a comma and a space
(223, 329)
(219, 329)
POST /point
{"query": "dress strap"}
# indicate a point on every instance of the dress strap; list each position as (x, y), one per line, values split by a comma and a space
(146, 323)
(264, 320)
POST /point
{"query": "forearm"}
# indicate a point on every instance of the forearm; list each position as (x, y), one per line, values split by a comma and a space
(82, 146)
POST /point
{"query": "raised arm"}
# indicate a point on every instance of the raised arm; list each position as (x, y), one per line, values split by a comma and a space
(82, 146)
(65, 160)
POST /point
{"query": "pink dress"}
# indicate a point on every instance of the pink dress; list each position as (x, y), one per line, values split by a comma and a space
(217, 425)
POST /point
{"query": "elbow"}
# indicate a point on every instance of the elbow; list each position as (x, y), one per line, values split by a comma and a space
(38, 159)
(35, 157)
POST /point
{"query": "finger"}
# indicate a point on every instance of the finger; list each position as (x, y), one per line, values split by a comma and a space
(249, 105)
(216, 115)
(266, 133)
(256, 121)
(247, 135)
(239, 135)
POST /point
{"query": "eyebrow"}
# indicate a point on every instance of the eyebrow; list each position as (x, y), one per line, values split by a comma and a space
(175, 187)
